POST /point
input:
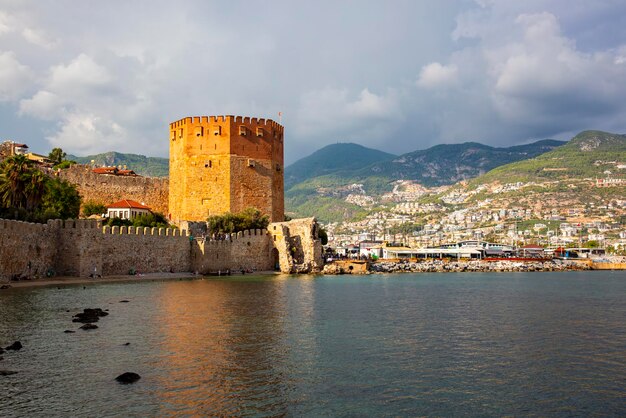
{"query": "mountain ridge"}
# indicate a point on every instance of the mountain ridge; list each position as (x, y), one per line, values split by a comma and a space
(331, 160)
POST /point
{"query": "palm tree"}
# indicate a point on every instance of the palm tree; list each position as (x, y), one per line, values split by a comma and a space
(57, 156)
(15, 174)
(35, 190)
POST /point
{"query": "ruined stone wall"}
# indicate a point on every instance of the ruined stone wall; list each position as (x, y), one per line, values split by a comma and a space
(107, 189)
(298, 245)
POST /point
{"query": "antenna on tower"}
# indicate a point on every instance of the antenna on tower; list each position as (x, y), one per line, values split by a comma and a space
(280, 117)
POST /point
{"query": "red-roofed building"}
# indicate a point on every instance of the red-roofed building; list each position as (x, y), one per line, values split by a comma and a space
(114, 171)
(105, 170)
(127, 209)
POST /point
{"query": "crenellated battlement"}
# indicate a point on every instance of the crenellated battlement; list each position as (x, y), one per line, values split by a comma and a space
(75, 223)
(239, 235)
(222, 119)
(143, 231)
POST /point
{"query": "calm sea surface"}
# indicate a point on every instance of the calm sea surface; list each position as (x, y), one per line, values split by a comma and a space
(544, 344)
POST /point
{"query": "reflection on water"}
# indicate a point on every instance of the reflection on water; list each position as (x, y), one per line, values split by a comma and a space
(428, 344)
(221, 348)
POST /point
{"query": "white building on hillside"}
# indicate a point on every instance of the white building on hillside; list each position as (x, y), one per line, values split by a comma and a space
(127, 209)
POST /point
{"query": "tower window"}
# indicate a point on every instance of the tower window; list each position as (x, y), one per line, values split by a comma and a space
(208, 164)
(243, 130)
(259, 131)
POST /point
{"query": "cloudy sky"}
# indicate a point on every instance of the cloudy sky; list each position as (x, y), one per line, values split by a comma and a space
(92, 76)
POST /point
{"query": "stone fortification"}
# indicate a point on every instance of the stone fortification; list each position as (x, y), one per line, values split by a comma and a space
(82, 247)
(297, 245)
(247, 250)
(144, 250)
(26, 249)
(106, 189)
(222, 164)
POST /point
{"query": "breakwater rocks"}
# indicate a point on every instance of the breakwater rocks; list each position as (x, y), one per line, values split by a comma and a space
(439, 266)
(446, 266)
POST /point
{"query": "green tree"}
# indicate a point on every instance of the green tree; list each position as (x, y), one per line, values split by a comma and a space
(151, 220)
(65, 164)
(57, 156)
(93, 208)
(227, 223)
(61, 201)
(27, 193)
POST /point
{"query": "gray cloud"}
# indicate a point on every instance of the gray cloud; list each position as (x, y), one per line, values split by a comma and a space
(93, 77)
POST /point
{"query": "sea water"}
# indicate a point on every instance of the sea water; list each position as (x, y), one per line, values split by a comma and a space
(547, 344)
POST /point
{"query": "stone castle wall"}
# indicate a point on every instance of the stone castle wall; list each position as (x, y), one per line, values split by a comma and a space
(107, 189)
(26, 249)
(249, 250)
(81, 247)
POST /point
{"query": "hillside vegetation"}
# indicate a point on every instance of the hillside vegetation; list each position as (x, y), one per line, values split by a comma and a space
(323, 192)
(140, 164)
(589, 154)
(333, 159)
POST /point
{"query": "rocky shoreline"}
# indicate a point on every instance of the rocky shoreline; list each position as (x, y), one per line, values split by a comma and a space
(443, 266)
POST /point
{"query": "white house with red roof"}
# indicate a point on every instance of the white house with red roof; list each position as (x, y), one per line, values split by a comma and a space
(127, 209)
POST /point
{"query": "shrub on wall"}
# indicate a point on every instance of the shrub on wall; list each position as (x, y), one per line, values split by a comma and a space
(228, 223)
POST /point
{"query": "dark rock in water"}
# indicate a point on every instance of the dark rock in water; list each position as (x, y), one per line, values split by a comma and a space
(15, 346)
(127, 344)
(86, 320)
(5, 286)
(89, 315)
(128, 377)
(7, 372)
(69, 331)
(67, 310)
(1, 350)
(1, 358)
(124, 301)
(89, 326)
